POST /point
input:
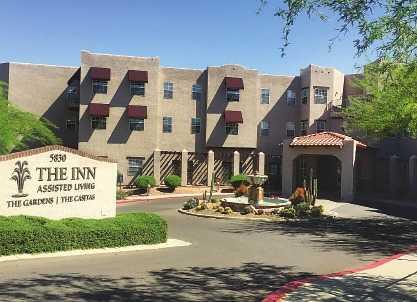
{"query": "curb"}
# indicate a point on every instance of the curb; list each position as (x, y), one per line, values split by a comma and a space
(243, 218)
(227, 217)
(158, 197)
(132, 248)
(291, 286)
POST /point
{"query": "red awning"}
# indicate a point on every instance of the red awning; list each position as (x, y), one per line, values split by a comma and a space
(98, 73)
(95, 109)
(137, 76)
(233, 116)
(135, 111)
(234, 83)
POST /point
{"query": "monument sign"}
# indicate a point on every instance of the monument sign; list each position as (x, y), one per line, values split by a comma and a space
(57, 182)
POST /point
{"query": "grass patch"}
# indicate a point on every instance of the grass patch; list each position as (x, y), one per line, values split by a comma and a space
(27, 234)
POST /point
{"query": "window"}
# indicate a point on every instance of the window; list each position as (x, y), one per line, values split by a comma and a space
(232, 128)
(167, 124)
(137, 88)
(71, 124)
(264, 96)
(291, 97)
(195, 125)
(72, 95)
(233, 95)
(135, 166)
(196, 92)
(273, 169)
(264, 128)
(168, 90)
(290, 126)
(98, 122)
(303, 127)
(136, 124)
(320, 125)
(304, 95)
(99, 86)
(320, 95)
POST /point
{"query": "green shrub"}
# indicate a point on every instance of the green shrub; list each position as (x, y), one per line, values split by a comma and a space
(288, 212)
(237, 180)
(25, 234)
(317, 211)
(302, 209)
(143, 181)
(172, 181)
(120, 194)
(190, 204)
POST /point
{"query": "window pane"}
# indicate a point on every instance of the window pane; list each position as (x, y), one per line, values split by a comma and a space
(320, 95)
(99, 86)
(264, 96)
(264, 128)
(71, 124)
(195, 125)
(137, 88)
(98, 122)
(135, 166)
(290, 129)
(304, 96)
(291, 97)
(232, 95)
(168, 90)
(136, 124)
(320, 125)
(232, 128)
(167, 124)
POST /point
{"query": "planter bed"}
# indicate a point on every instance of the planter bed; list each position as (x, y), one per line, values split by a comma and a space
(29, 235)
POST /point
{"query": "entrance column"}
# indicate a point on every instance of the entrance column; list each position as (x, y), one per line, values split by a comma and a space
(157, 166)
(236, 162)
(394, 175)
(210, 166)
(184, 167)
(412, 174)
(348, 164)
(261, 163)
(287, 168)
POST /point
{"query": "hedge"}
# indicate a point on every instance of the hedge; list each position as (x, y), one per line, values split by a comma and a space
(27, 234)
(172, 181)
(143, 181)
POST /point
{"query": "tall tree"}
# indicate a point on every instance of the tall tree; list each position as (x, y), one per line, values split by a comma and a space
(389, 105)
(19, 129)
(388, 26)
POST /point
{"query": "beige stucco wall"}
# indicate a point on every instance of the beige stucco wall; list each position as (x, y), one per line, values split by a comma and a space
(277, 112)
(101, 200)
(40, 89)
(313, 76)
(117, 141)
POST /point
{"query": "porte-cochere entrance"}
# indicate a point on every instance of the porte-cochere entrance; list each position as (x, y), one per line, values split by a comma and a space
(326, 169)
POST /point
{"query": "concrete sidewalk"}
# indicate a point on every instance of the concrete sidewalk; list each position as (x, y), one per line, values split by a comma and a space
(389, 279)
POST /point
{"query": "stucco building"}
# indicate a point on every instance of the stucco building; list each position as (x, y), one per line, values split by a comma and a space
(125, 108)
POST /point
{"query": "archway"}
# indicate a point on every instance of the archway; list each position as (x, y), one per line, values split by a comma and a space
(327, 169)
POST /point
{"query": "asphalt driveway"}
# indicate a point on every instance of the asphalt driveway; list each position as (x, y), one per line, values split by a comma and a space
(228, 260)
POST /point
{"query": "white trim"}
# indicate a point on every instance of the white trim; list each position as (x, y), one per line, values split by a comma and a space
(132, 248)
(45, 65)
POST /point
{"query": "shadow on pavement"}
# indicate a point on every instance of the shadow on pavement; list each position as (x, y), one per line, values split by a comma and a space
(249, 282)
(382, 235)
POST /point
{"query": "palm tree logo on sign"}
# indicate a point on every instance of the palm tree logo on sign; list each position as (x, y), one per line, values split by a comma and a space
(20, 175)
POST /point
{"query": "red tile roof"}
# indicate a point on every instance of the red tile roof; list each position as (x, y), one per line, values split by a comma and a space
(328, 139)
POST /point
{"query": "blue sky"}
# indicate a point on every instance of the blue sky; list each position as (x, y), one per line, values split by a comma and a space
(183, 33)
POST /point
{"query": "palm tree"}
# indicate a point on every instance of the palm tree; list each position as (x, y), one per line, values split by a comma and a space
(20, 175)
